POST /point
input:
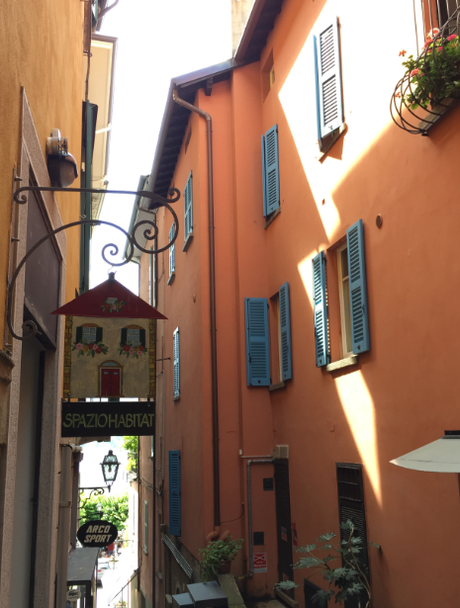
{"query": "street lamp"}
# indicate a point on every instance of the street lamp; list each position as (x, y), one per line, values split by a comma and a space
(110, 466)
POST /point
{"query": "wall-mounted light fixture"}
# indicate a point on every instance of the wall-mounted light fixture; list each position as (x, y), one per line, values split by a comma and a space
(110, 466)
(62, 166)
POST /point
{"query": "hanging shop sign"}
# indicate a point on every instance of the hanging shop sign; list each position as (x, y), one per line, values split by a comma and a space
(109, 349)
(89, 419)
(97, 533)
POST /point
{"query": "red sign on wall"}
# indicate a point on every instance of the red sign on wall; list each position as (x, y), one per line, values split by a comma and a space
(259, 562)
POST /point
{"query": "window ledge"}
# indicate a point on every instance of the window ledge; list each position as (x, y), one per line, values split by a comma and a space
(277, 386)
(329, 140)
(188, 240)
(272, 217)
(436, 114)
(176, 398)
(171, 278)
(347, 362)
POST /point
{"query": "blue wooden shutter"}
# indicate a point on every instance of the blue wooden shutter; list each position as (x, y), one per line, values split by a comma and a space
(328, 80)
(285, 329)
(124, 336)
(79, 334)
(98, 334)
(142, 337)
(176, 362)
(174, 493)
(323, 356)
(270, 171)
(172, 254)
(358, 288)
(257, 345)
(188, 208)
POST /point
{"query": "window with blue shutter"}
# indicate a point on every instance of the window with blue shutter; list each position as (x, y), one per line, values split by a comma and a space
(358, 288)
(176, 363)
(174, 493)
(270, 171)
(285, 332)
(257, 342)
(320, 310)
(172, 256)
(188, 212)
(328, 81)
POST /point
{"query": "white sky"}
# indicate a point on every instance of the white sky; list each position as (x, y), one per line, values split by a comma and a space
(156, 41)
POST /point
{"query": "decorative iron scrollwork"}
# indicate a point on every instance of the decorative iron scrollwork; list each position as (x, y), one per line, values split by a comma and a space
(150, 233)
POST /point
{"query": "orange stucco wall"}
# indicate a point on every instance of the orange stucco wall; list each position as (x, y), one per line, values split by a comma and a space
(402, 394)
(43, 52)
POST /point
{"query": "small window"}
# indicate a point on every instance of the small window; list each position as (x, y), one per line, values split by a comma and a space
(270, 171)
(443, 11)
(176, 354)
(344, 298)
(350, 492)
(352, 284)
(132, 335)
(172, 256)
(280, 342)
(88, 333)
(188, 213)
(268, 75)
(260, 342)
(174, 462)
(329, 101)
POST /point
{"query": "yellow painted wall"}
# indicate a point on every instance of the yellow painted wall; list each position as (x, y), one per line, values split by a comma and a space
(42, 52)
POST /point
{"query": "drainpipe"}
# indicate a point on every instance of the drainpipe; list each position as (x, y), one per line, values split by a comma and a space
(251, 545)
(212, 295)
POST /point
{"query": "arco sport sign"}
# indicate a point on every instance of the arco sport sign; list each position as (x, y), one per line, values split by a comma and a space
(97, 533)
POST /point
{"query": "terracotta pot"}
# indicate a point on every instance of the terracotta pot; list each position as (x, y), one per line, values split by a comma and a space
(225, 567)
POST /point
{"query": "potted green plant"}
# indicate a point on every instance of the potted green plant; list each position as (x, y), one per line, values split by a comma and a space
(217, 555)
(348, 579)
(435, 74)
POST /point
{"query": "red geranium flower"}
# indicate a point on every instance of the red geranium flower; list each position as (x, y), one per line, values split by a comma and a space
(141, 347)
(126, 348)
(90, 346)
(98, 350)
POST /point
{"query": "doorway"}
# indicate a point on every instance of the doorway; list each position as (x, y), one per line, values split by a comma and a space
(283, 521)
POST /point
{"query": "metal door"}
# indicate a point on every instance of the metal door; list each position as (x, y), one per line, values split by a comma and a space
(283, 521)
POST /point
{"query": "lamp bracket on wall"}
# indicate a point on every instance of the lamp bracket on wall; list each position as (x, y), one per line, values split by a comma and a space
(97, 491)
(149, 233)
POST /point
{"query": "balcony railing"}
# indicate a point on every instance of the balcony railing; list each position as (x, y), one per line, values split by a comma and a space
(431, 84)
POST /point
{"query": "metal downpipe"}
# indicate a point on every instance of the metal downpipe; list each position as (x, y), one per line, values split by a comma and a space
(212, 295)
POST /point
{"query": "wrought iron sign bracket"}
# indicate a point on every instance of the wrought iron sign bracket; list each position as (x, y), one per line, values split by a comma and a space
(150, 233)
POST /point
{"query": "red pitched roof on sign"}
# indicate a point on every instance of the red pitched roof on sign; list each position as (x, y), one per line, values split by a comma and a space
(109, 299)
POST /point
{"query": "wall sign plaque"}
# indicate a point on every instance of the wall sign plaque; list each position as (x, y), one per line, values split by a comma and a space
(91, 419)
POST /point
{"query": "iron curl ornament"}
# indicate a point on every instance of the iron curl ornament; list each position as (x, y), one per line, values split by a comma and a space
(431, 84)
(149, 233)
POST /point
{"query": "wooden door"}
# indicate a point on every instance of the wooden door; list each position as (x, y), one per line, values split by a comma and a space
(110, 382)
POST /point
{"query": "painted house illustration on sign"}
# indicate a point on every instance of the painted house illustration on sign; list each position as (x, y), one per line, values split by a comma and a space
(109, 344)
